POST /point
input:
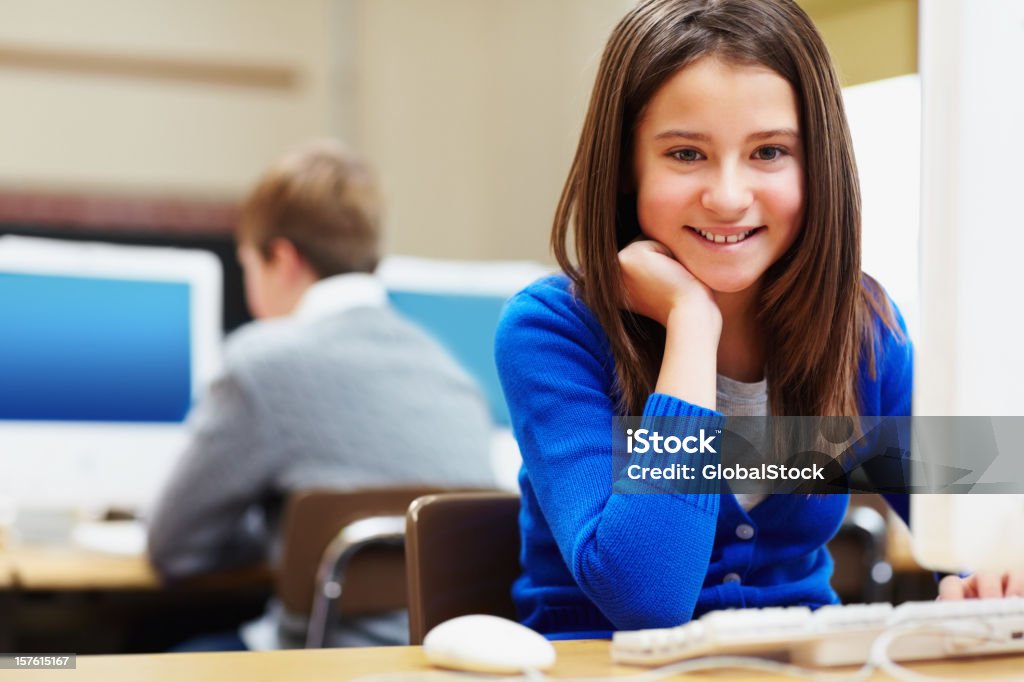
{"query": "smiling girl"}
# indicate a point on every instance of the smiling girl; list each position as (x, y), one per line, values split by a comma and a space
(714, 206)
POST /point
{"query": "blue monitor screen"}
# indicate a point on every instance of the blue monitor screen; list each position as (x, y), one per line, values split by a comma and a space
(91, 349)
(465, 326)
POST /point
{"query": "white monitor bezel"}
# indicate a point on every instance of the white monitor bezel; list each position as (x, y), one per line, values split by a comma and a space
(98, 465)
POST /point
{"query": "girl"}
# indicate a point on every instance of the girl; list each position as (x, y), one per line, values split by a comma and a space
(715, 210)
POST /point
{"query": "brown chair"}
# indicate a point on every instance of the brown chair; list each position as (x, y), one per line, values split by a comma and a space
(462, 553)
(343, 552)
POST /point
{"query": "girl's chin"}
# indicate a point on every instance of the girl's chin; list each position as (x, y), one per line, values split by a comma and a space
(726, 285)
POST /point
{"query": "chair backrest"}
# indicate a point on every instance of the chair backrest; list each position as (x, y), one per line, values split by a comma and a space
(374, 580)
(462, 555)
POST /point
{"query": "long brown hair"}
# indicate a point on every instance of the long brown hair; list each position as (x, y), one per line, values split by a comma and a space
(817, 309)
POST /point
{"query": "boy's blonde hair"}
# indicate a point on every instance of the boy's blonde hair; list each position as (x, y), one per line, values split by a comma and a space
(322, 200)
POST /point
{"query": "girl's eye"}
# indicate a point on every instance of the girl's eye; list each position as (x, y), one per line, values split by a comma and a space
(686, 155)
(769, 153)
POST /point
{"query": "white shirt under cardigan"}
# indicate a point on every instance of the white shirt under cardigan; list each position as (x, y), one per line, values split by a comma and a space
(741, 399)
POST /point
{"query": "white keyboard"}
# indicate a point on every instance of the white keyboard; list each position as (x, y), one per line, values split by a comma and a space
(836, 635)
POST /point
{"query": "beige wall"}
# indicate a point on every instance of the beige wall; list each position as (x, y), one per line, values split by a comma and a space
(869, 39)
(157, 113)
(468, 108)
(471, 111)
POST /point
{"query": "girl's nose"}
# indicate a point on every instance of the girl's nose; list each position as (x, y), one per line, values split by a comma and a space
(728, 195)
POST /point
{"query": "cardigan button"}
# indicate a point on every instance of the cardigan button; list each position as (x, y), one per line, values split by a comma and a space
(731, 578)
(744, 531)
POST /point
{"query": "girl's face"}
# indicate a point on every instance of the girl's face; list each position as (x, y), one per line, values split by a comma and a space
(718, 166)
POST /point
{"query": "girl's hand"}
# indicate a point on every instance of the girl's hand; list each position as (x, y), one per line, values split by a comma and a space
(982, 585)
(656, 284)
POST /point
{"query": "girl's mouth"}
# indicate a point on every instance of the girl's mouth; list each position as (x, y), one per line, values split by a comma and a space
(735, 236)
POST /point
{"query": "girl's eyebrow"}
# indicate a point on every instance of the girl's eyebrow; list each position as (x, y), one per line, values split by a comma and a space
(702, 137)
(685, 134)
(778, 132)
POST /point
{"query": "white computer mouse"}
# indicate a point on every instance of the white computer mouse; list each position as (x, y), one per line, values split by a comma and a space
(487, 644)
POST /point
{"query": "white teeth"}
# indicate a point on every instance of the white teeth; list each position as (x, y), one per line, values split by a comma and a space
(722, 239)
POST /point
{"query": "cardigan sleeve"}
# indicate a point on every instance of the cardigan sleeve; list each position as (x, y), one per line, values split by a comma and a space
(641, 558)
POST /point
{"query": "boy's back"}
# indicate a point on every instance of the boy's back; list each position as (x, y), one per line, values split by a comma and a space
(330, 389)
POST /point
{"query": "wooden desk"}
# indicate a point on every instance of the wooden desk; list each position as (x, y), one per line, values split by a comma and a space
(70, 568)
(74, 599)
(575, 659)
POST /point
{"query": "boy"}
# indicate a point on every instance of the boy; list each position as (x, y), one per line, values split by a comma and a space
(328, 388)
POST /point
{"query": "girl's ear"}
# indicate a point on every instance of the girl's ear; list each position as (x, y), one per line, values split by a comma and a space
(627, 227)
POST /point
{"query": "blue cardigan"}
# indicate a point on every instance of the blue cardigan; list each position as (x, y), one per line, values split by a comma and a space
(594, 562)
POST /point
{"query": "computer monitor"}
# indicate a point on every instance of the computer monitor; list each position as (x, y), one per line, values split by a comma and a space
(885, 123)
(103, 351)
(968, 360)
(460, 303)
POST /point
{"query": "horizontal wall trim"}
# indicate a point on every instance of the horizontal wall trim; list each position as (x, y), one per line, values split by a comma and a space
(105, 212)
(149, 67)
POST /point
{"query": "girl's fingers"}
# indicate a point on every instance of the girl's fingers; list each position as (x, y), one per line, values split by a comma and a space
(648, 245)
(659, 247)
(987, 585)
(982, 585)
(1014, 584)
(951, 588)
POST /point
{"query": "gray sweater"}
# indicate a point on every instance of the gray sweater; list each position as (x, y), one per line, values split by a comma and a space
(354, 399)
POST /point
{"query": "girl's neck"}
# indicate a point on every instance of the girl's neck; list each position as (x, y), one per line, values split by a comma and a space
(740, 348)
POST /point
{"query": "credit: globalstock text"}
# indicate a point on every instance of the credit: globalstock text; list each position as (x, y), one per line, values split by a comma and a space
(645, 441)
